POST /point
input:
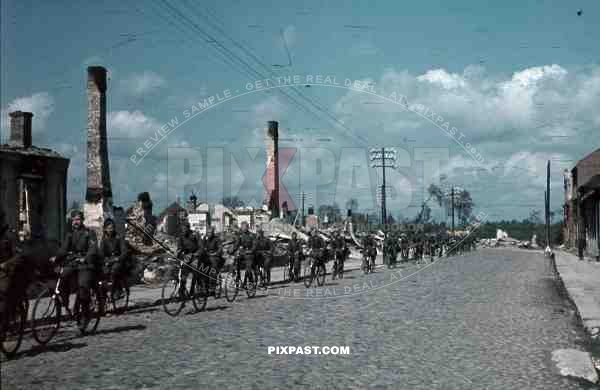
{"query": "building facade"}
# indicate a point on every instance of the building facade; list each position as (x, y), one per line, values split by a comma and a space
(582, 206)
(33, 183)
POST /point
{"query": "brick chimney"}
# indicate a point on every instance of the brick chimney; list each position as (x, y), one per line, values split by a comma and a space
(98, 196)
(272, 190)
(20, 128)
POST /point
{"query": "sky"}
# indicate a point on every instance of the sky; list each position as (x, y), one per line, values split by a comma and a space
(469, 93)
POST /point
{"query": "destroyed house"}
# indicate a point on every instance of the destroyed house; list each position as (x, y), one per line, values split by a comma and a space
(33, 183)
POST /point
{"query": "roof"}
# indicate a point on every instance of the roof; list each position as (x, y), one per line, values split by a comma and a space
(173, 208)
(588, 170)
(30, 151)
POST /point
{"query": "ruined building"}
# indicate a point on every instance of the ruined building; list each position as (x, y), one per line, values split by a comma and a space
(33, 183)
(272, 174)
(98, 198)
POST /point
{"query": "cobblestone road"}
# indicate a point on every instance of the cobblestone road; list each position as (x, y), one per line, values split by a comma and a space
(487, 320)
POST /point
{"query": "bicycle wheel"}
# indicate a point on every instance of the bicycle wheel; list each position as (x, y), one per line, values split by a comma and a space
(95, 310)
(286, 274)
(308, 277)
(321, 275)
(119, 297)
(219, 287)
(199, 293)
(251, 284)
(46, 316)
(11, 330)
(171, 298)
(264, 282)
(232, 286)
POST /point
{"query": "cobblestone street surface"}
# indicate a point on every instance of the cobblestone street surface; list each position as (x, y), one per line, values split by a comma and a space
(486, 320)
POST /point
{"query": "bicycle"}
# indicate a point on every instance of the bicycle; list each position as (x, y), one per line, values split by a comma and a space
(116, 295)
(234, 280)
(52, 301)
(180, 294)
(368, 262)
(338, 266)
(314, 269)
(263, 273)
(12, 328)
(292, 271)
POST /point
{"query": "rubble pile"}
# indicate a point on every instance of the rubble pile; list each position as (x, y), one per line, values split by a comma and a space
(504, 240)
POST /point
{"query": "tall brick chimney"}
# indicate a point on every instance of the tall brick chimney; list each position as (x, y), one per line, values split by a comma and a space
(98, 196)
(20, 128)
(272, 190)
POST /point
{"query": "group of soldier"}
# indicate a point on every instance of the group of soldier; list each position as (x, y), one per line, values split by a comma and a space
(424, 246)
(84, 261)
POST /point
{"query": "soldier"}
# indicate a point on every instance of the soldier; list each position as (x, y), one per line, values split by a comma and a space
(213, 249)
(114, 248)
(370, 249)
(80, 248)
(188, 246)
(390, 249)
(10, 271)
(317, 246)
(264, 253)
(340, 248)
(295, 253)
(245, 244)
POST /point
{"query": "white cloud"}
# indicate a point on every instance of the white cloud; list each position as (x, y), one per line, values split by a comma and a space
(144, 83)
(131, 124)
(40, 104)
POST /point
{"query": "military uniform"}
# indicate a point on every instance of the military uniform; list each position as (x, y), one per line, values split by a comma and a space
(264, 254)
(81, 243)
(188, 246)
(245, 243)
(317, 244)
(213, 252)
(295, 252)
(11, 282)
(115, 247)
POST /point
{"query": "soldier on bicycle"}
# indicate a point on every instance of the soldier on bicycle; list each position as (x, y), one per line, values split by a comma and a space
(317, 246)
(80, 248)
(340, 251)
(245, 244)
(213, 249)
(264, 253)
(294, 249)
(369, 248)
(115, 255)
(11, 272)
(188, 246)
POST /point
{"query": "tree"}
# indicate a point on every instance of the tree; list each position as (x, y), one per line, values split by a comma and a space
(464, 206)
(352, 204)
(535, 217)
(233, 202)
(436, 193)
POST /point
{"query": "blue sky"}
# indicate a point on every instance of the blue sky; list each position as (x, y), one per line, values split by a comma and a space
(520, 80)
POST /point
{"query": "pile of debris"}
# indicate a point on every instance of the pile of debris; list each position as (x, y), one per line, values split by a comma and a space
(504, 240)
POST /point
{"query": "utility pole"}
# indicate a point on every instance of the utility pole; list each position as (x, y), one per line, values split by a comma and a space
(380, 156)
(548, 205)
(452, 195)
